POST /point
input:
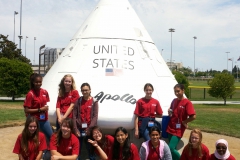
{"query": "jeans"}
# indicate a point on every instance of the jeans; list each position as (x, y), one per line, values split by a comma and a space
(146, 134)
(46, 128)
(88, 145)
(57, 125)
(173, 142)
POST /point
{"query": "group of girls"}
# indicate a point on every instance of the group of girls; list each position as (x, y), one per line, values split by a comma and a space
(77, 123)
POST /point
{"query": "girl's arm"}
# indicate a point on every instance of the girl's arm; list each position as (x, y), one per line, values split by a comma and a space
(167, 152)
(69, 110)
(42, 109)
(191, 118)
(71, 157)
(39, 156)
(102, 154)
(20, 157)
(142, 153)
(136, 127)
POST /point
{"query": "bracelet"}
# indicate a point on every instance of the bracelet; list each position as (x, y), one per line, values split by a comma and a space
(39, 110)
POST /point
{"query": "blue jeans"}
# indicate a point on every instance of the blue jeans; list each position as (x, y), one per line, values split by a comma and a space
(46, 128)
(88, 145)
(146, 134)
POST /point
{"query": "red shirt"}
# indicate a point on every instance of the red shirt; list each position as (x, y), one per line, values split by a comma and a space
(37, 99)
(181, 110)
(109, 146)
(147, 107)
(31, 147)
(67, 146)
(185, 154)
(212, 157)
(153, 152)
(134, 153)
(64, 102)
(85, 111)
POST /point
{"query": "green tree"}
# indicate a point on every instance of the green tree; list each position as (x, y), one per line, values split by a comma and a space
(181, 79)
(9, 50)
(14, 79)
(222, 86)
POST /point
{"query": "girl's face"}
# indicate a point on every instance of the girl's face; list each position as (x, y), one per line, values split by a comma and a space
(195, 139)
(148, 91)
(67, 82)
(154, 136)
(221, 148)
(32, 127)
(97, 135)
(178, 92)
(85, 91)
(121, 137)
(37, 83)
(66, 131)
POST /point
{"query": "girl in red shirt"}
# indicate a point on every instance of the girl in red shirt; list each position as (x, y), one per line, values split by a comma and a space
(221, 152)
(122, 148)
(195, 150)
(67, 96)
(35, 104)
(145, 110)
(104, 141)
(64, 144)
(30, 143)
(181, 112)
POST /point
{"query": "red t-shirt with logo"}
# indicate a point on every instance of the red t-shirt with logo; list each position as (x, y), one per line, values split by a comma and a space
(64, 102)
(85, 111)
(147, 107)
(37, 99)
(181, 110)
(134, 153)
(109, 140)
(153, 152)
(194, 156)
(67, 146)
(31, 147)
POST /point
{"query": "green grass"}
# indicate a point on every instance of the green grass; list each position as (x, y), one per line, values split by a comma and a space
(218, 119)
(11, 113)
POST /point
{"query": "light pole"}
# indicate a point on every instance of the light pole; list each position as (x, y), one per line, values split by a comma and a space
(227, 60)
(161, 52)
(15, 13)
(194, 55)
(25, 45)
(34, 51)
(20, 25)
(171, 30)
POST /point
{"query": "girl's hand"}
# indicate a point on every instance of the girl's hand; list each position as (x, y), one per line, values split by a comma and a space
(185, 124)
(136, 133)
(94, 143)
(54, 157)
(78, 134)
(45, 108)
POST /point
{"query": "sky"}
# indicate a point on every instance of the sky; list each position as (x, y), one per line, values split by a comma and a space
(216, 24)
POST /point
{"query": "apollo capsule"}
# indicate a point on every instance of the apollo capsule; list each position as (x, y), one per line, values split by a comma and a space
(113, 52)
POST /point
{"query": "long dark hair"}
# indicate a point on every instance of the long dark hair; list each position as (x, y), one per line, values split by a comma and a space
(103, 140)
(26, 136)
(126, 150)
(32, 79)
(69, 123)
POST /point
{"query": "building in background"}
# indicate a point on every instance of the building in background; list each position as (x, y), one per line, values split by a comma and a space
(175, 65)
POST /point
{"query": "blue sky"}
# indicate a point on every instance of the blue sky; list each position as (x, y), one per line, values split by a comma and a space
(215, 23)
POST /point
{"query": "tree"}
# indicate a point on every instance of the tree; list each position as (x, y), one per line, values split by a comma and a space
(14, 79)
(9, 50)
(222, 86)
(181, 79)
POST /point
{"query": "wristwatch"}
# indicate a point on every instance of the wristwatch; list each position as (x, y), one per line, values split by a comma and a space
(39, 110)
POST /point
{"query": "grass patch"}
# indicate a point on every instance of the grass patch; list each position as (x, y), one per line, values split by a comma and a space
(218, 119)
(11, 113)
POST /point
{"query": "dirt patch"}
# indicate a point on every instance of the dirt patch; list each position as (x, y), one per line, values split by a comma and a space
(9, 135)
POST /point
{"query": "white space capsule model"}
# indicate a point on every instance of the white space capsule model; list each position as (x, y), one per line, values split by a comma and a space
(113, 52)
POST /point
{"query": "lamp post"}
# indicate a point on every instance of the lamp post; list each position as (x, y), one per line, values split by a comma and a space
(161, 52)
(227, 60)
(25, 45)
(194, 55)
(34, 51)
(20, 25)
(15, 13)
(171, 30)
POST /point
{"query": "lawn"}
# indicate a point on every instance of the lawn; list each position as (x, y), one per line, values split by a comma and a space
(218, 119)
